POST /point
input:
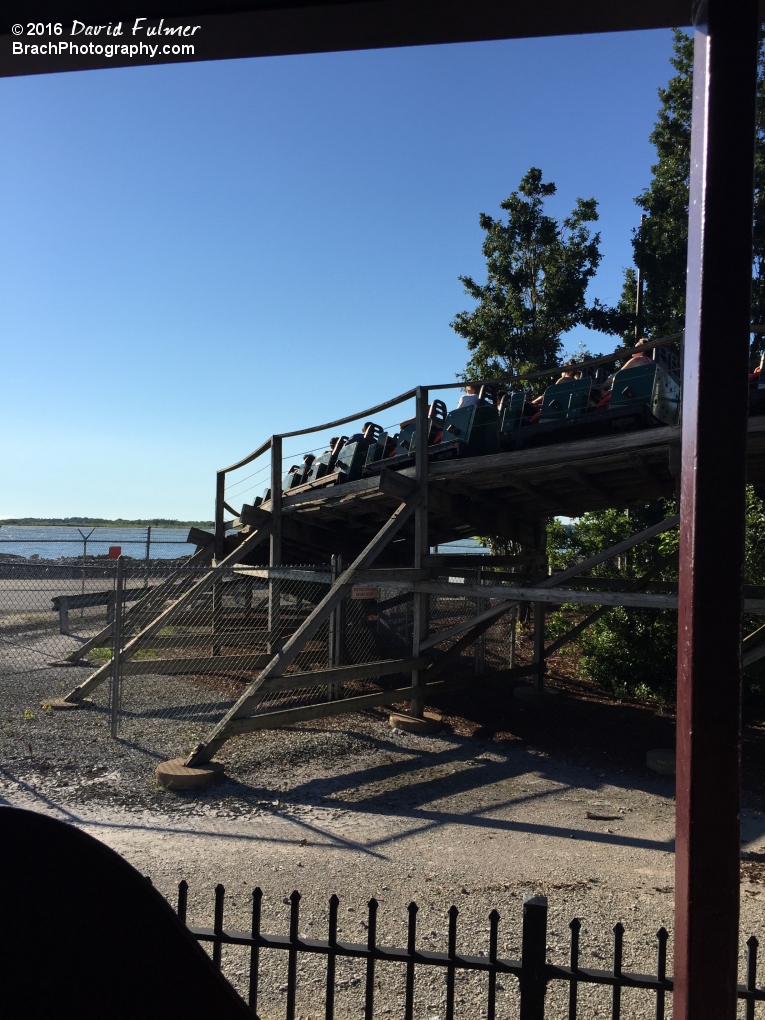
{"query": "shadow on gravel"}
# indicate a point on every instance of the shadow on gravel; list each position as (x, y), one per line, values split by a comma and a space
(410, 787)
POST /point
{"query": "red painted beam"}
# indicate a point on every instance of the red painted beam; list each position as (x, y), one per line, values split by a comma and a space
(712, 511)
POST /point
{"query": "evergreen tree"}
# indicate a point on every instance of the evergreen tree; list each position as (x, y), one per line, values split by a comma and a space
(537, 274)
(661, 243)
(634, 651)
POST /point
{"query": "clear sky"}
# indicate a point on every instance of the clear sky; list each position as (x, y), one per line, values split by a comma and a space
(196, 256)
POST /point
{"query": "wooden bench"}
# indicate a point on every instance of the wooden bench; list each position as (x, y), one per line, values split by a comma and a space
(63, 603)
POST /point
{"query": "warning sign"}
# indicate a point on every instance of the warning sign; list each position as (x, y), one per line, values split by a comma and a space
(360, 591)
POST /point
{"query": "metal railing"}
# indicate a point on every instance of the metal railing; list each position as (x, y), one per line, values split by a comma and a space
(532, 970)
(275, 444)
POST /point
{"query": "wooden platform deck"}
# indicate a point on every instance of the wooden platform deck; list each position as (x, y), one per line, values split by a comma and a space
(503, 494)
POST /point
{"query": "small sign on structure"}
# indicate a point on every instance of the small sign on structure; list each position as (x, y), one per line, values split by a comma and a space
(360, 591)
(115, 551)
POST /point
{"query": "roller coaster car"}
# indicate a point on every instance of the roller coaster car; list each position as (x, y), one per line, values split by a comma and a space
(641, 397)
(293, 478)
(325, 464)
(514, 410)
(472, 431)
(398, 451)
(352, 458)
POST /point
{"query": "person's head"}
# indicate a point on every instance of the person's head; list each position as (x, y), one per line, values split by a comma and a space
(472, 388)
(569, 373)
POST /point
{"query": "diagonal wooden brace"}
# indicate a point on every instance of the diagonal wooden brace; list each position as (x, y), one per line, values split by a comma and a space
(295, 644)
(152, 597)
(160, 621)
(495, 612)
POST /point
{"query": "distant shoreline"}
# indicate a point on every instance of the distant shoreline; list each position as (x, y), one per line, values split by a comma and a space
(102, 522)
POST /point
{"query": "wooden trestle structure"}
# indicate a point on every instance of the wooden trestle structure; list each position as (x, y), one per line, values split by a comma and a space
(384, 528)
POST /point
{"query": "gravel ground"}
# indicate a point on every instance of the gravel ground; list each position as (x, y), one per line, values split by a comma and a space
(349, 806)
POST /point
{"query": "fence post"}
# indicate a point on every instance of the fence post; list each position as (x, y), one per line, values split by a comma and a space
(539, 610)
(275, 550)
(117, 646)
(533, 983)
(513, 634)
(480, 645)
(421, 542)
(219, 546)
(335, 657)
(148, 557)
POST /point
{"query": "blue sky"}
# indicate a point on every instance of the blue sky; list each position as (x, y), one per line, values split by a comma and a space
(199, 255)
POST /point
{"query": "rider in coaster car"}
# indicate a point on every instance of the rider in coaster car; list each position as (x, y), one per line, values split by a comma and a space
(636, 359)
(566, 375)
(470, 397)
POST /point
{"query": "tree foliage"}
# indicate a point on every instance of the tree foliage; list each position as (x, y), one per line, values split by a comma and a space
(538, 270)
(661, 243)
(634, 651)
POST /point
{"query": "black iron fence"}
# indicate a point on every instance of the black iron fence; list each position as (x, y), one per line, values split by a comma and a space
(532, 971)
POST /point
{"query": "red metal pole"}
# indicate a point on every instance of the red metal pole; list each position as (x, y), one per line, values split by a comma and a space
(712, 510)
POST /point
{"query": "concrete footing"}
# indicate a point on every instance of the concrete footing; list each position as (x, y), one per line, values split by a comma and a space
(60, 704)
(175, 775)
(428, 723)
(661, 759)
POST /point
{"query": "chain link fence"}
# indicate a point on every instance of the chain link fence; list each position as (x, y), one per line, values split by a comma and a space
(192, 638)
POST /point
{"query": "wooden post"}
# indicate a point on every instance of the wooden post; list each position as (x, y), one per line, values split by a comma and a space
(148, 558)
(480, 645)
(540, 547)
(217, 623)
(335, 629)
(275, 553)
(421, 545)
(712, 506)
(513, 635)
(117, 647)
(220, 498)
(539, 646)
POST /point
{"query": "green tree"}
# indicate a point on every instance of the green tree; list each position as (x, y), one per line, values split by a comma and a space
(661, 244)
(634, 651)
(538, 270)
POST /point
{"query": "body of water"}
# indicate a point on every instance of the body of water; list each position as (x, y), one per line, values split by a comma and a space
(56, 541)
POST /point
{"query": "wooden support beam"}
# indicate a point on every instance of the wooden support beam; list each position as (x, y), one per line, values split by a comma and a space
(196, 664)
(459, 508)
(517, 529)
(642, 466)
(492, 613)
(284, 573)
(753, 647)
(595, 487)
(391, 575)
(154, 596)
(317, 536)
(639, 584)
(421, 541)
(294, 645)
(228, 639)
(556, 455)
(459, 561)
(343, 674)
(557, 595)
(275, 720)
(103, 672)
